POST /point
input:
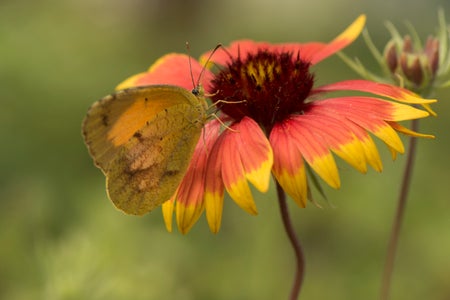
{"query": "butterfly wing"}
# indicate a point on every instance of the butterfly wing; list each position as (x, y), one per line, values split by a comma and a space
(143, 139)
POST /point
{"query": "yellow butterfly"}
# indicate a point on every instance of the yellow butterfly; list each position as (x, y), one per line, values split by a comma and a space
(142, 138)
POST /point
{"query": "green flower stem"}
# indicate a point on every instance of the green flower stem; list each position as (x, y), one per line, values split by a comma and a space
(398, 219)
(299, 257)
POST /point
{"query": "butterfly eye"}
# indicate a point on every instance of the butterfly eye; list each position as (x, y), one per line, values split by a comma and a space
(195, 91)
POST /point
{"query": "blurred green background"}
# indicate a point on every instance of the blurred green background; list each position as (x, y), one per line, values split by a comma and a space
(61, 238)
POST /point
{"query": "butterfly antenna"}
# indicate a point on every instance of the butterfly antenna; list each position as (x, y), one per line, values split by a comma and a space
(196, 86)
(188, 48)
(206, 63)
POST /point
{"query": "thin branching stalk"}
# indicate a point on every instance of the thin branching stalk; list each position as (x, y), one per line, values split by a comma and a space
(399, 214)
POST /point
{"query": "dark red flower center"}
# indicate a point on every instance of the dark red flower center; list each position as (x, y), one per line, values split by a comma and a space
(266, 86)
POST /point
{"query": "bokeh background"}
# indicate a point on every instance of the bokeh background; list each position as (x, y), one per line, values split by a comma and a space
(61, 238)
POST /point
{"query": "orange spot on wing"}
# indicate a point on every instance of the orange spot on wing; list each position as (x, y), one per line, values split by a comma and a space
(130, 121)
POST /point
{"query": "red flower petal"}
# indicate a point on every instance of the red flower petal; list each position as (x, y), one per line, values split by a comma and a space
(313, 52)
(255, 151)
(307, 50)
(233, 175)
(288, 167)
(246, 155)
(338, 137)
(407, 131)
(172, 69)
(239, 48)
(190, 193)
(371, 114)
(369, 149)
(386, 90)
(214, 187)
(341, 41)
(241, 153)
(314, 150)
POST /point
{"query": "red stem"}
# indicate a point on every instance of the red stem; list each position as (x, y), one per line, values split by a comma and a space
(299, 257)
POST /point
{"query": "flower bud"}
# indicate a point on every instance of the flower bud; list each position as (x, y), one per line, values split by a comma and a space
(391, 56)
(417, 65)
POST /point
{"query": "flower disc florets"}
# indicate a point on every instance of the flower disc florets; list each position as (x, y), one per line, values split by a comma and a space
(266, 86)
